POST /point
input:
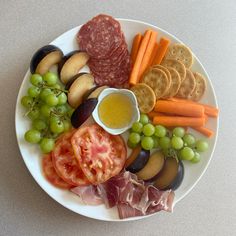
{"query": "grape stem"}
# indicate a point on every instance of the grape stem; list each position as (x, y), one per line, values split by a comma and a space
(42, 85)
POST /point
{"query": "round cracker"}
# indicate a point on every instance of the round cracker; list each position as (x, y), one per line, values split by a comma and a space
(157, 80)
(179, 66)
(175, 83)
(166, 71)
(187, 86)
(181, 53)
(200, 88)
(145, 96)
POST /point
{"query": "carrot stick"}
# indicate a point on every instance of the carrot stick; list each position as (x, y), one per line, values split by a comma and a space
(154, 52)
(163, 46)
(179, 121)
(179, 108)
(135, 72)
(135, 46)
(209, 110)
(148, 53)
(152, 114)
(205, 131)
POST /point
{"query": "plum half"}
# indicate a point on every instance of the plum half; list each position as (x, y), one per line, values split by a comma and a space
(71, 64)
(45, 58)
(79, 87)
(71, 81)
(153, 166)
(137, 159)
(171, 175)
(83, 112)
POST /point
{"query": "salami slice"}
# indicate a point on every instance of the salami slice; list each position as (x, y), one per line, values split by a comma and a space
(100, 36)
(104, 41)
(51, 175)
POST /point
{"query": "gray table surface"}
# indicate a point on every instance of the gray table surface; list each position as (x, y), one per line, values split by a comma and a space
(208, 27)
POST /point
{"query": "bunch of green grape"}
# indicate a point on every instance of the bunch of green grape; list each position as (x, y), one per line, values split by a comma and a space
(177, 143)
(47, 107)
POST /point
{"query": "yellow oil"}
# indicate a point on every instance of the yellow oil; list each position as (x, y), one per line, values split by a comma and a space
(115, 110)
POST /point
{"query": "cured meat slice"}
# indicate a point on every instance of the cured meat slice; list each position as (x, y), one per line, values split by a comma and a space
(133, 197)
(105, 43)
(89, 194)
(100, 36)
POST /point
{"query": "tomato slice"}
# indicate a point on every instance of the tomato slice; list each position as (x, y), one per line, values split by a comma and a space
(51, 175)
(100, 154)
(65, 163)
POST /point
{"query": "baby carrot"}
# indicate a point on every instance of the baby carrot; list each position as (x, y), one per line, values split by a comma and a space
(135, 46)
(161, 51)
(148, 53)
(179, 121)
(179, 108)
(135, 71)
(205, 131)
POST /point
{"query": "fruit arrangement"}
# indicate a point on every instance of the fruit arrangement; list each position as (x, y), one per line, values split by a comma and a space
(127, 123)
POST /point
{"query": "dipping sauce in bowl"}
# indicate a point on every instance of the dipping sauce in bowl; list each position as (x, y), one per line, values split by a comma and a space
(117, 110)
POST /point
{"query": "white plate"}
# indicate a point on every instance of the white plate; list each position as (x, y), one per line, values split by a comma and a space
(32, 155)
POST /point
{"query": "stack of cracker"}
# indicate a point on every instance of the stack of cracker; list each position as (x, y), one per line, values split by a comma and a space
(173, 78)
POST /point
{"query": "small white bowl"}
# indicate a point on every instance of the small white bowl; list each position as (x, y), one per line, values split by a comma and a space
(133, 99)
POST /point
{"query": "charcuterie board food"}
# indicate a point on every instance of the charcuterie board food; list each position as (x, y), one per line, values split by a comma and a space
(117, 122)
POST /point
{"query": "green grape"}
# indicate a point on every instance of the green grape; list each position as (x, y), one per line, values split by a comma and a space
(27, 101)
(51, 100)
(131, 145)
(67, 125)
(144, 119)
(189, 140)
(164, 142)
(196, 158)
(187, 153)
(137, 127)
(36, 80)
(160, 131)
(39, 124)
(148, 130)
(34, 113)
(56, 86)
(47, 145)
(177, 142)
(33, 136)
(34, 91)
(156, 142)
(50, 78)
(44, 93)
(46, 110)
(56, 126)
(134, 138)
(62, 109)
(62, 98)
(201, 145)
(147, 143)
(179, 132)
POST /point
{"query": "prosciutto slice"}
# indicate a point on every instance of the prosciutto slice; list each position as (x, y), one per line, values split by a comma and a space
(131, 196)
(88, 194)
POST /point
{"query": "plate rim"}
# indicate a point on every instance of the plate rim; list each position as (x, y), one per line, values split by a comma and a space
(196, 181)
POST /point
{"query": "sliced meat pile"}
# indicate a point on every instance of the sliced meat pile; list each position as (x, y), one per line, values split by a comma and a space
(104, 41)
(131, 196)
